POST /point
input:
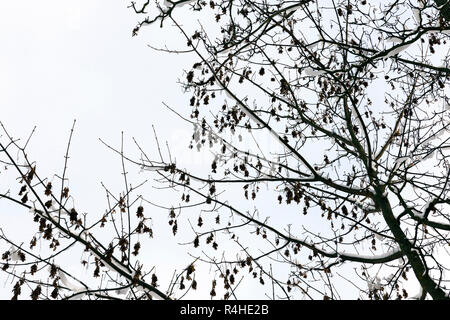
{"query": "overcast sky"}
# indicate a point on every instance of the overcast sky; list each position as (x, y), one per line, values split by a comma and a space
(66, 60)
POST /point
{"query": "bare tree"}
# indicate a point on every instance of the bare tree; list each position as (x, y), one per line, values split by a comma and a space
(354, 92)
(115, 271)
(351, 97)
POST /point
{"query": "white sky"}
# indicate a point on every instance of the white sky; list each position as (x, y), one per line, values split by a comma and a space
(66, 60)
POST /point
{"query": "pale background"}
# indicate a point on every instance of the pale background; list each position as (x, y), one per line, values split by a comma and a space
(66, 60)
